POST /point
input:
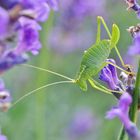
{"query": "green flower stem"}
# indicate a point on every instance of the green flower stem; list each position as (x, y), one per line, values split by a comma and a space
(134, 106)
(122, 135)
(42, 61)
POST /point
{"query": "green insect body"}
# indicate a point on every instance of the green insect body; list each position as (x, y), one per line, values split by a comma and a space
(93, 61)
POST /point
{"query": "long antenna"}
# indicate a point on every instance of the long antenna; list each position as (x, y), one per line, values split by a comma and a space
(49, 71)
(35, 90)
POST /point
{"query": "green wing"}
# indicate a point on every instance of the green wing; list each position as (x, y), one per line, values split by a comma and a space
(115, 35)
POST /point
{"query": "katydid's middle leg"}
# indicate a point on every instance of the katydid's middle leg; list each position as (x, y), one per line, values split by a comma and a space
(127, 72)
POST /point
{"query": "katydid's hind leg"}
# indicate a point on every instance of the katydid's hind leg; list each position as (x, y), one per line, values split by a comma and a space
(102, 88)
(97, 87)
(105, 26)
(98, 36)
(116, 49)
(100, 19)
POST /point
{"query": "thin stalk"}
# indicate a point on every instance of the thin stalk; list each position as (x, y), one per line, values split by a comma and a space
(40, 100)
(122, 135)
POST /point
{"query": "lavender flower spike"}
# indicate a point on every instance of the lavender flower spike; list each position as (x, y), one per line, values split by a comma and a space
(29, 36)
(109, 75)
(2, 137)
(122, 112)
(135, 48)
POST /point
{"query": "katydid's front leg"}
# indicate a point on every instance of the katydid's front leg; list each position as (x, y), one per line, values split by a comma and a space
(127, 72)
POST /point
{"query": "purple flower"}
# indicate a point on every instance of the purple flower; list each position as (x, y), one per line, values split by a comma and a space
(2, 137)
(109, 75)
(42, 12)
(10, 59)
(19, 26)
(20, 29)
(53, 4)
(135, 48)
(5, 97)
(8, 4)
(133, 4)
(122, 112)
(38, 9)
(82, 123)
(28, 36)
(4, 21)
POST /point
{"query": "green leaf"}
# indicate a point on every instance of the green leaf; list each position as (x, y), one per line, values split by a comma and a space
(94, 59)
(115, 35)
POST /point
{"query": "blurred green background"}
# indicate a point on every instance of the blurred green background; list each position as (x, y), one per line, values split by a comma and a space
(52, 113)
